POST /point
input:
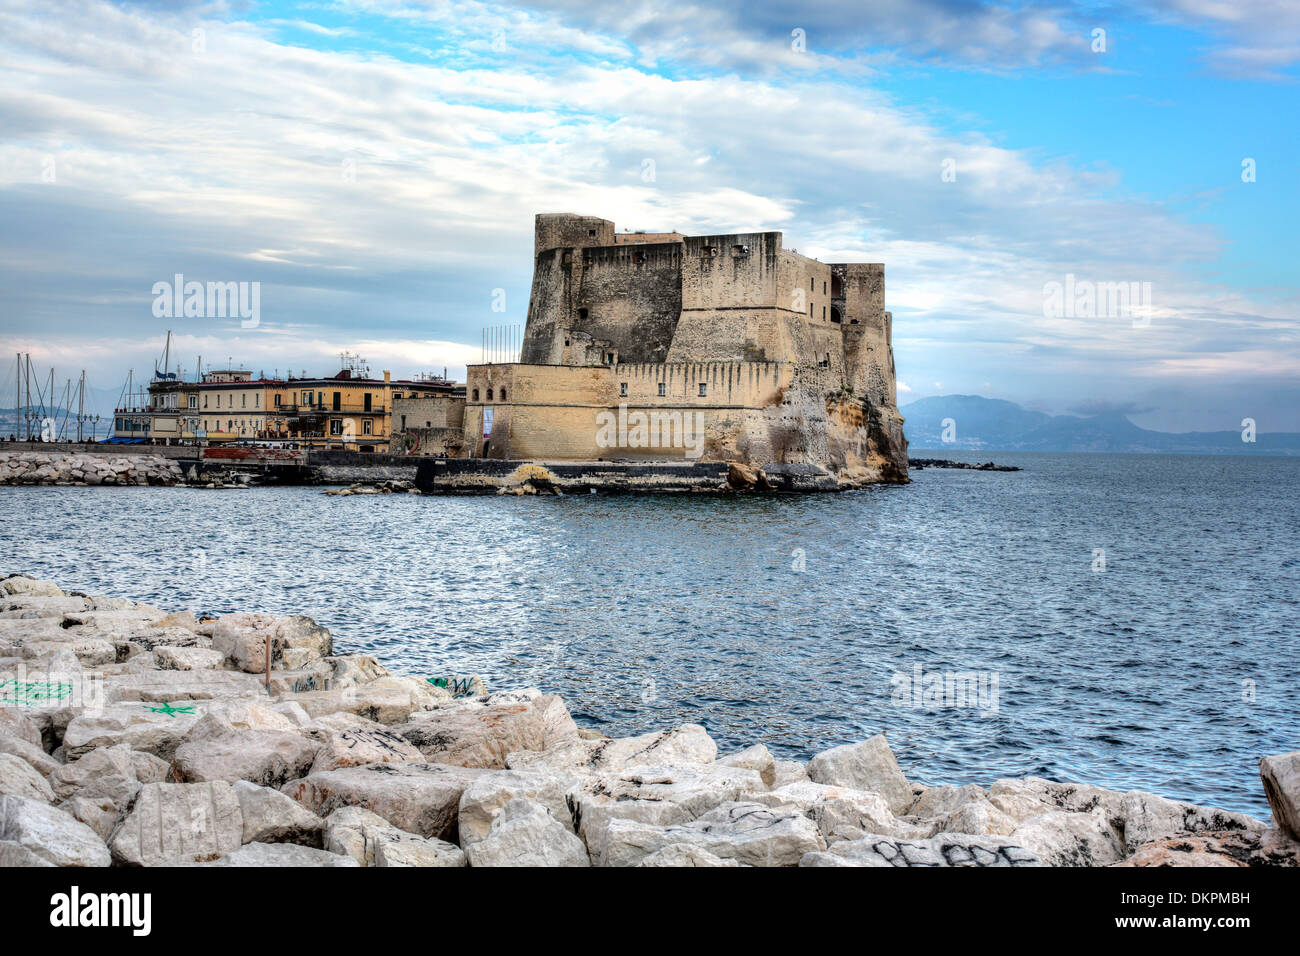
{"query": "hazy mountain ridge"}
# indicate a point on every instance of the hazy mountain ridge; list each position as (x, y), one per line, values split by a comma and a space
(980, 423)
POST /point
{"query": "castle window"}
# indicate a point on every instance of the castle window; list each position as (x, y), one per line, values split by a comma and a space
(622, 389)
(704, 389)
(591, 232)
(503, 394)
(663, 389)
(582, 313)
(489, 394)
(812, 285)
(475, 398)
(823, 288)
(609, 358)
(823, 312)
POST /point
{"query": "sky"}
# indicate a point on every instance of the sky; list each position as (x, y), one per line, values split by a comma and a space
(374, 166)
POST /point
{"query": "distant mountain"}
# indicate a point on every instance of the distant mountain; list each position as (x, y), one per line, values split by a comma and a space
(996, 425)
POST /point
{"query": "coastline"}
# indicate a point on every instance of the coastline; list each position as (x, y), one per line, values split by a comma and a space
(433, 475)
(125, 724)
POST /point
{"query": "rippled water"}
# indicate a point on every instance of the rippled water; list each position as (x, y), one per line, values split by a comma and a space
(783, 619)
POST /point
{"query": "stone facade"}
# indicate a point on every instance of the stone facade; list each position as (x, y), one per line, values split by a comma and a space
(772, 358)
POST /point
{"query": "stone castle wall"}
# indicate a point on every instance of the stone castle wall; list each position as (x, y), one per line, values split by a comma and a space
(794, 354)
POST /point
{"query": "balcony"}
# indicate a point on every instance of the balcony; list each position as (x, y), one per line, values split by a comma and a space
(326, 409)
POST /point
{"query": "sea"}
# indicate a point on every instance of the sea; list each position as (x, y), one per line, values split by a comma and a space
(1128, 621)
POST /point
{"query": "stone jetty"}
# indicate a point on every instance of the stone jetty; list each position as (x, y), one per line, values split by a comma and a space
(134, 736)
(56, 468)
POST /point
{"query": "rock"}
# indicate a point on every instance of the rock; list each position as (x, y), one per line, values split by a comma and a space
(15, 854)
(386, 700)
(1148, 818)
(683, 854)
(945, 849)
(148, 768)
(187, 685)
(757, 758)
(35, 757)
(1064, 838)
(525, 833)
(1230, 848)
(1281, 778)
(687, 744)
(50, 833)
(372, 841)
(353, 748)
(834, 807)
(19, 779)
(485, 798)
(103, 772)
(281, 854)
(295, 641)
(187, 658)
(869, 765)
(97, 812)
(14, 723)
(749, 833)
(420, 798)
(22, 584)
(1030, 797)
(271, 817)
(267, 758)
(481, 732)
(419, 852)
(965, 810)
(656, 795)
(940, 801)
(172, 823)
(790, 771)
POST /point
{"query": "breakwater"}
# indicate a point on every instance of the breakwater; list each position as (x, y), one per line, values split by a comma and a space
(131, 735)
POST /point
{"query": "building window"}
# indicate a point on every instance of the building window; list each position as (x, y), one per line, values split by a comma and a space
(365, 427)
(591, 232)
(704, 389)
(582, 313)
(336, 426)
(243, 401)
(503, 394)
(403, 423)
(475, 396)
(489, 394)
(663, 389)
(622, 389)
(609, 358)
(194, 401)
(812, 285)
(277, 399)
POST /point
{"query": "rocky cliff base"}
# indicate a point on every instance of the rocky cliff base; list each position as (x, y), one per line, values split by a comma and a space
(134, 737)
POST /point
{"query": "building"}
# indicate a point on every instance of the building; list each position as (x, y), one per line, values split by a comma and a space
(229, 405)
(724, 348)
(348, 411)
(429, 423)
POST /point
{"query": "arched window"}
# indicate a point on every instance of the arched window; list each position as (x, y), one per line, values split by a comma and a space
(475, 398)
(489, 394)
(503, 394)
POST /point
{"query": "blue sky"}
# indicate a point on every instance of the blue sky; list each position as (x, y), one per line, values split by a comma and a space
(375, 165)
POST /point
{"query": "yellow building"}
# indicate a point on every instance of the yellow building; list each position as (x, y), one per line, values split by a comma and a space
(229, 405)
(347, 412)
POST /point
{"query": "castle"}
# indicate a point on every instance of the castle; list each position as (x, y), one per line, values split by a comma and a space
(653, 346)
